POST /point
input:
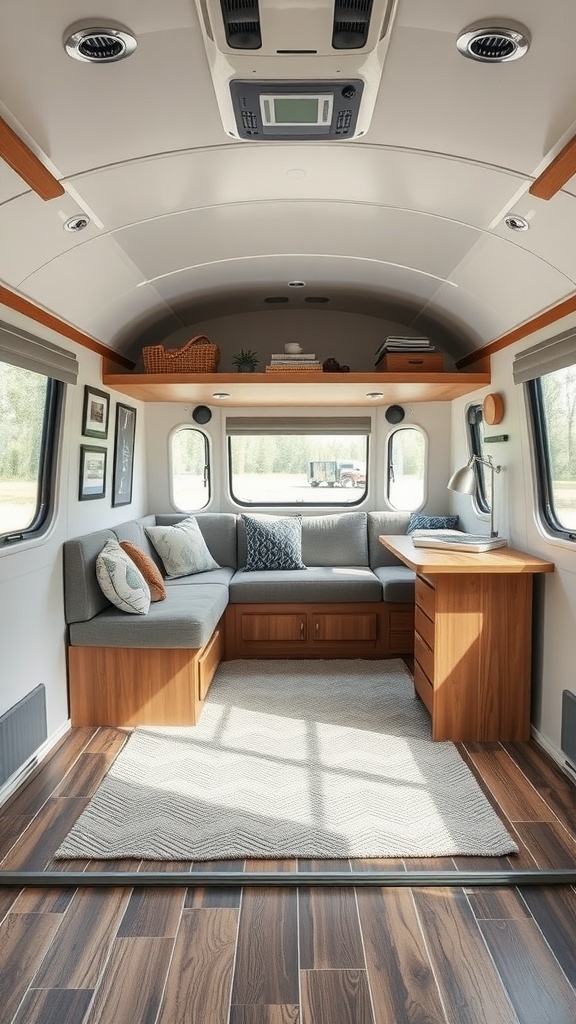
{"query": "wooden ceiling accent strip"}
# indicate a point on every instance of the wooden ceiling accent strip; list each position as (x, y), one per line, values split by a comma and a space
(27, 165)
(42, 316)
(558, 172)
(549, 316)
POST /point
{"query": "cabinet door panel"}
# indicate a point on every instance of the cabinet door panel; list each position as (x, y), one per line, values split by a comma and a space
(361, 626)
(273, 627)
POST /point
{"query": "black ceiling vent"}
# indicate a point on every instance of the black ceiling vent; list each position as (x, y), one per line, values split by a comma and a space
(351, 24)
(242, 24)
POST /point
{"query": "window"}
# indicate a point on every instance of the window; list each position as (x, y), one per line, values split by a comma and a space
(483, 496)
(30, 406)
(406, 469)
(298, 461)
(190, 469)
(553, 413)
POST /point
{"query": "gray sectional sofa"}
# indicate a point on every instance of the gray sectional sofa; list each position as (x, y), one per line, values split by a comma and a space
(354, 599)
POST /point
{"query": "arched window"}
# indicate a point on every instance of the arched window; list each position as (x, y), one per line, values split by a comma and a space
(406, 469)
(190, 476)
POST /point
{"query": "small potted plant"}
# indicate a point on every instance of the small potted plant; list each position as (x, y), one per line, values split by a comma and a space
(246, 361)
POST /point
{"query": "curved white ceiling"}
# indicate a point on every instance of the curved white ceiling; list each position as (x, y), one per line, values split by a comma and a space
(189, 224)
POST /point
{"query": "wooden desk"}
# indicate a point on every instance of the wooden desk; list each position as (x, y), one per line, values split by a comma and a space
(473, 638)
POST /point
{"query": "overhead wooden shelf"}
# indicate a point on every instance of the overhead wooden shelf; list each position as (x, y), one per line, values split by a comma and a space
(294, 389)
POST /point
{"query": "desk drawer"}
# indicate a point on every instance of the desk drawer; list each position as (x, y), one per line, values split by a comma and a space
(424, 626)
(425, 597)
(424, 688)
(424, 656)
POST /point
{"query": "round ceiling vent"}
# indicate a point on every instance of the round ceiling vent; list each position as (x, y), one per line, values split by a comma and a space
(77, 223)
(100, 45)
(516, 223)
(492, 45)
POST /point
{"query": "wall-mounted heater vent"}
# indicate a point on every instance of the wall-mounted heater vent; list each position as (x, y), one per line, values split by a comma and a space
(568, 733)
(242, 24)
(22, 730)
(351, 24)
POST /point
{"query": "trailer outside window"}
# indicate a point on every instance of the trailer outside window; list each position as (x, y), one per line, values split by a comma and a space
(552, 402)
(29, 416)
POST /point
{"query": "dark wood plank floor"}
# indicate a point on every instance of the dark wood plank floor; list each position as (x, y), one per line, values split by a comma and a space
(289, 955)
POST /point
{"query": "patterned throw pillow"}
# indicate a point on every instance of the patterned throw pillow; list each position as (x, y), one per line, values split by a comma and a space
(149, 570)
(182, 548)
(120, 581)
(273, 543)
(418, 522)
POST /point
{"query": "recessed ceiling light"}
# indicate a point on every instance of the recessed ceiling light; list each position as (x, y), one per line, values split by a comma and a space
(374, 394)
(77, 223)
(221, 394)
(493, 45)
(516, 223)
(99, 44)
(296, 284)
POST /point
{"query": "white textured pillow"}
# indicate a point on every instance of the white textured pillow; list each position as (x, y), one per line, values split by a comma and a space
(182, 548)
(121, 581)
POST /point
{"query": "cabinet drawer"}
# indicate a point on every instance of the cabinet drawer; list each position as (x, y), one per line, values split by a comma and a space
(417, 362)
(262, 628)
(424, 626)
(425, 597)
(424, 688)
(401, 620)
(346, 626)
(424, 656)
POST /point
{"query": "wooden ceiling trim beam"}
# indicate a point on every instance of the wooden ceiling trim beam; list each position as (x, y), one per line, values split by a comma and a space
(549, 316)
(42, 316)
(558, 172)
(27, 165)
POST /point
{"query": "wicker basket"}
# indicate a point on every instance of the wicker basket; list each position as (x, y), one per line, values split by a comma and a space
(198, 355)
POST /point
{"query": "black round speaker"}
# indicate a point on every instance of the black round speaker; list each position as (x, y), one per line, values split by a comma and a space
(394, 414)
(202, 414)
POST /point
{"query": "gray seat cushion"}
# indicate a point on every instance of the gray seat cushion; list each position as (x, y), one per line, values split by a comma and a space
(382, 523)
(314, 584)
(397, 583)
(187, 618)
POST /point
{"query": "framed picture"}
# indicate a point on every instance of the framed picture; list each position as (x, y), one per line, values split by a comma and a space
(92, 483)
(95, 413)
(123, 454)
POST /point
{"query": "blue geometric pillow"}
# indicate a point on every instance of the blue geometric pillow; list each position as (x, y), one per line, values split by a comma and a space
(432, 523)
(273, 543)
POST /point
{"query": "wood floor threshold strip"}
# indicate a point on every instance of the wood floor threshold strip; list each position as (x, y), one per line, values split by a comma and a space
(135, 879)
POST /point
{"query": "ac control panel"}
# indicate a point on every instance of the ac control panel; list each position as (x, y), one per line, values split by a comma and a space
(296, 110)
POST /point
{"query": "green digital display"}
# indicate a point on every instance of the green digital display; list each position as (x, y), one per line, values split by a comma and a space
(295, 110)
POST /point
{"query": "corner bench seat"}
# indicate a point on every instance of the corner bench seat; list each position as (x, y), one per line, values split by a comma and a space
(354, 599)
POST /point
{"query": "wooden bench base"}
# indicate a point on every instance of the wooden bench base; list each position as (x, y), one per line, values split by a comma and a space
(355, 630)
(125, 687)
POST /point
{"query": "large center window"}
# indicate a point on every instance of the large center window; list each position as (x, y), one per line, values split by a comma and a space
(296, 461)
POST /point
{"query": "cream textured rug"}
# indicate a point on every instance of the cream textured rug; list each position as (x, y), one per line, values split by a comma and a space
(292, 759)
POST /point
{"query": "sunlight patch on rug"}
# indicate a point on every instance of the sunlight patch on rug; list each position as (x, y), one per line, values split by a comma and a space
(323, 759)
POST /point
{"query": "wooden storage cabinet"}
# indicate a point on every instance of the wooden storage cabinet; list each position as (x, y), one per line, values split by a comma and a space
(315, 631)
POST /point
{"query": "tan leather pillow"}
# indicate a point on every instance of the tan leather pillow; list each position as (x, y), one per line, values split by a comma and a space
(149, 570)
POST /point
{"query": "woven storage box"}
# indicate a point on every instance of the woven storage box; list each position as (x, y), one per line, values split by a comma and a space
(198, 355)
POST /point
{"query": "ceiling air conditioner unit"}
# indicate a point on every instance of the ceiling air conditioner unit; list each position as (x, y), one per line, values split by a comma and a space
(285, 70)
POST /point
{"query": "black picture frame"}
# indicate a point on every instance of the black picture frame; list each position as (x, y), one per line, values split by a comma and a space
(95, 413)
(124, 438)
(92, 475)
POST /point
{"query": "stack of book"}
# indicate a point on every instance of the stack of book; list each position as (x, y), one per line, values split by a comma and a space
(393, 344)
(286, 361)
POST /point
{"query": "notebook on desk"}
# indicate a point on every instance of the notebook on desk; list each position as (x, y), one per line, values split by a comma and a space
(459, 541)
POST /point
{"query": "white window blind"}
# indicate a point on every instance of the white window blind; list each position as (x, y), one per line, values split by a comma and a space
(19, 348)
(345, 425)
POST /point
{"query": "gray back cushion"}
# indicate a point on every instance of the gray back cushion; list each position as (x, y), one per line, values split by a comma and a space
(83, 596)
(339, 539)
(384, 522)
